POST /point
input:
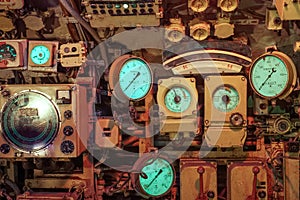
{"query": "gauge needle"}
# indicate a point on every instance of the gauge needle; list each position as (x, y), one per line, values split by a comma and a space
(132, 80)
(269, 76)
(160, 171)
(177, 97)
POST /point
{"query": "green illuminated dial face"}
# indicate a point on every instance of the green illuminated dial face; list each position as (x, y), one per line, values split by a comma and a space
(159, 177)
(225, 98)
(178, 99)
(40, 55)
(269, 76)
(135, 78)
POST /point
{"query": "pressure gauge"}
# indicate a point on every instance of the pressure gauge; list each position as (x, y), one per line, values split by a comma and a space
(178, 99)
(153, 176)
(177, 96)
(225, 98)
(199, 5)
(130, 77)
(273, 75)
(200, 31)
(228, 5)
(40, 54)
(175, 32)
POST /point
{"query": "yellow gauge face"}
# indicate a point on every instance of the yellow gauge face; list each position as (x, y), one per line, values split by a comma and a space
(199, 5)
(229, 5)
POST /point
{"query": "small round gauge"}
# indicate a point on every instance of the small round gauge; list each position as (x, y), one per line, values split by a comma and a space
(130, 77)
(225, 98)
(175, 35)
(67, 147)
(228, 5)
(7, 52)
(199, 5)
(178, 99)
(273, 75)
(156, 176)
(200, 31)
(40, 54)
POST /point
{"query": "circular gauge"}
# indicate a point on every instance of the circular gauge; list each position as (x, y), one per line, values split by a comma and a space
(67, 147)
(156, 176)
(229, 5)
(200, 31)
(175, 35)
(178, 99)
(29, 121)
(7, 52)
(40, 54)
(199, 5)
(225, 98)
(273, 75)
(130, 77)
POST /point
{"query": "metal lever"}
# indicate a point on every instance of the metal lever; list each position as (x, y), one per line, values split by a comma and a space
(253, 196)
(201, 195)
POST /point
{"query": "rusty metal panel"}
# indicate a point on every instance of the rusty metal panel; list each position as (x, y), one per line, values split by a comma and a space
(247, 180)
(198, 180)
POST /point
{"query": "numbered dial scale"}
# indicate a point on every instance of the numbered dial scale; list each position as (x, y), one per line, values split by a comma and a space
(225, 98)
(177, 96)
(178, 99)
(130, 77)
(153, 176)
(273, 75)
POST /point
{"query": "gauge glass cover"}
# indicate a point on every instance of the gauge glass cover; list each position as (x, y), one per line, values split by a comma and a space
(135, 78)
(225, 98)
(160, 177)
(269, 76)
(178, 99)
(40, 55)
(29, 121)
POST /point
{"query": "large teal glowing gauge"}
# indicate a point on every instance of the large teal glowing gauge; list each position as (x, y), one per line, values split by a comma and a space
(178, 99)
(40, 55)
(225, 98)
(272, 75)
(135, 78)
(155, 178)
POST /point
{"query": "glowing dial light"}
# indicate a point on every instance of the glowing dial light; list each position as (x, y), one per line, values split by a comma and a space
(158, 177)
(269, 76)
(178, 99)
(226, 98)
(135, 78)
(40, 55)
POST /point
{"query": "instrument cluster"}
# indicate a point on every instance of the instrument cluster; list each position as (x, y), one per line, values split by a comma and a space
(149, 99)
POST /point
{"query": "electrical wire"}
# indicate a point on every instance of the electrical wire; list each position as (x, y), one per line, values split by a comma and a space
(87, 26)
(77, 16)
